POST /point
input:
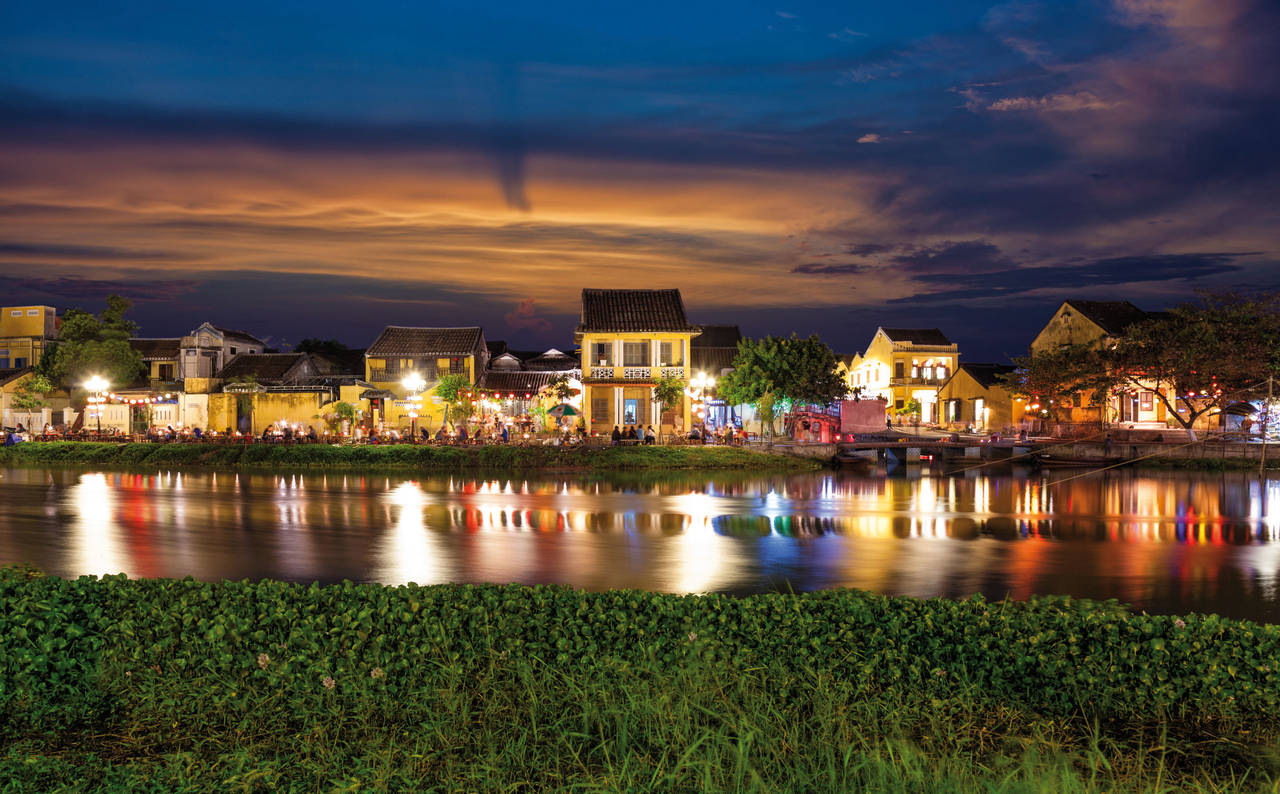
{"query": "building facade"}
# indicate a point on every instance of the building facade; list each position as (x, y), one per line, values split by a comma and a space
(430, 353)
(629, 339)
(26, 332)
(903, 364)
(976, 396)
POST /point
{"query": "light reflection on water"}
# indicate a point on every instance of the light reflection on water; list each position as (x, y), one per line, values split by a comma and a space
(1164, 542)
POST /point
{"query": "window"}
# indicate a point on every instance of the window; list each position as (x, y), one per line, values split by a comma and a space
(898, 403)
(19, 363)
(898, 369)
(979, 407)
(4, 362)
(16, 313)
(1146, 401)
(635, 354)
(165, 371)
(252, 351)
(600, 406)
(33, 312)
(942, 373)
(191, 352)
(233, 351)
(602, 353)
(666, 354)
(630, 412)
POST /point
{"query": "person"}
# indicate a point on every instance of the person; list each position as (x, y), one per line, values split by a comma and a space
(462, 433)
(21, 429)
(695, 434)
(440, 434)
(728, 434)
(615, 436)
(506, 433)
(1106, 445)
(197, 432)
(426, 434)
(888, 423)
(266, 433)
(650, 437)
(632, 435)
(1022, 434)
(311, 434)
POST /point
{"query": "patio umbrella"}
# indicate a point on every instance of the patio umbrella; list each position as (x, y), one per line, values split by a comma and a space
(563, 410)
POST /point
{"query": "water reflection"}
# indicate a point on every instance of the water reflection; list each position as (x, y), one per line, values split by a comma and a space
(1163, 542)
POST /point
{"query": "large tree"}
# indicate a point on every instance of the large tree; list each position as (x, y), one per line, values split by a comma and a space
(1200, 357)
(455, 391)
(1050, 379)
(94, 345)
(771, 371)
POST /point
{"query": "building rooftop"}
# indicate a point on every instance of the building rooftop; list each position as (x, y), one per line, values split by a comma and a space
(633, 310)
(263, 366)
(399, 340)
(156, 349)
(1112, 316)
(988, 375)
(917, 336)
(237, 335)
(518, 383)
(717, 336)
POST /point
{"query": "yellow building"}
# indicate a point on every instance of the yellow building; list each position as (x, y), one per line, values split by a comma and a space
(902, 364)
(1078, 322)
(161, 357)
(976, 396)
(431, 353)
(25, 333)
(630, 339)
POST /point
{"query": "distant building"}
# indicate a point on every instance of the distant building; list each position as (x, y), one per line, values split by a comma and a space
(208, 348)
(902, 364)
(26, 332)
(430, 353)
(629, 339)
(516, 376)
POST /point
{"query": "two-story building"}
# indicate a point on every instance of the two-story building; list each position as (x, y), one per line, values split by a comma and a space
(977, 396)
(1085, 322)
(431, 353)
(25, 333)
(209, 348)
(902, 364)
(629, 340)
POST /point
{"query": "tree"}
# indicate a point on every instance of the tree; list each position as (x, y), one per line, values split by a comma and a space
(89, 345)
(330, 347)
(669, 392)
(910, 407)
(454, 390)
(28, 398)
(783, 371)
(1198, 358)
(559, 389)
(1048, 380)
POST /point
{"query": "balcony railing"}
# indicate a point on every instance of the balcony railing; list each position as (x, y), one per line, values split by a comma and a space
(935, 382)
(635, 372)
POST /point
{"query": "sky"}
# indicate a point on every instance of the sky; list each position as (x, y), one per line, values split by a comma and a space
(322, 170)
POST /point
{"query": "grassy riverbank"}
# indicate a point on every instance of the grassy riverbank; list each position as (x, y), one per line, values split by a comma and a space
(398, 456)
(162, 685)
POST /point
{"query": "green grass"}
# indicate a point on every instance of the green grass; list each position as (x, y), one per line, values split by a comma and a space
(158, 685)
(400, 456)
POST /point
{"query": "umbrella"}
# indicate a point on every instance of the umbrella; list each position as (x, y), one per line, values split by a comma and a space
(563, 410)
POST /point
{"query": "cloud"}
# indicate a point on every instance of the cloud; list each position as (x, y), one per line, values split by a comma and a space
(846, 35)
(61, 289)
(868, 249)
(786, 15)
(1079, 100)
(1072, 278)
(523, 317)
(817, 269)
(870, 137)
(969, 256)
(78, 252)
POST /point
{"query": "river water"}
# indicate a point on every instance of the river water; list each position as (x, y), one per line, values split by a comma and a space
(1162, 542)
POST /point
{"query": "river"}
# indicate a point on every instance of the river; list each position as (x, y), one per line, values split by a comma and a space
(1163, 542)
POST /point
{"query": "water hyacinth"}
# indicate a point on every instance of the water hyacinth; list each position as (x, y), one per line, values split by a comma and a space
(263, 661)
(328, 682)
(376, 673)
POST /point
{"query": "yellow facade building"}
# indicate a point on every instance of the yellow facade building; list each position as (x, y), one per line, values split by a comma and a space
(976, 396)
(430, 353)
(629, 340)
(26, 332)
(902, 364)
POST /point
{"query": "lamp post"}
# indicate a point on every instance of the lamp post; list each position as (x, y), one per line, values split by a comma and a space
(96, 385)
(413, 383)
(699, 385)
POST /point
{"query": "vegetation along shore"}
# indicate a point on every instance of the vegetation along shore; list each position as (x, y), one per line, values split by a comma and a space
(164, 684)
(395, 456)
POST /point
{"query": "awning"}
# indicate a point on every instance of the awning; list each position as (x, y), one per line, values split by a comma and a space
(1239, 409)
(377, 394)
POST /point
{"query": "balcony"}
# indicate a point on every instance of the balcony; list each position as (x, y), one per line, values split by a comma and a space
(634, 372)
(934, 382)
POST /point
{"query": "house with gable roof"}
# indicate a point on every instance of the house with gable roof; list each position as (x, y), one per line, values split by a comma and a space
(902, 364)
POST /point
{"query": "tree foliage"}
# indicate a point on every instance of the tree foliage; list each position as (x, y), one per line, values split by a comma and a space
(1050, 379)
(330, 347)
(669, 392)
(91, 345)
(454, 390)
(792, 369)
(559, 389)
(29, 396)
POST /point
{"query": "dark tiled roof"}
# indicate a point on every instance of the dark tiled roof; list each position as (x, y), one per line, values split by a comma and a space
(622, 310)
(552, 361)
(917, 336)
(519, 383)
(1111, 316)
(10, 375)
(243, 336)
(399, 340)
(345, 363)
(156, 349)
(717, 336)
(711, 360)
(263, 366)
(496, 347)
(988, 375)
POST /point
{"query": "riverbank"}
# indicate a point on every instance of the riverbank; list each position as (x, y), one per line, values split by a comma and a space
(397, 457)
(124, 684)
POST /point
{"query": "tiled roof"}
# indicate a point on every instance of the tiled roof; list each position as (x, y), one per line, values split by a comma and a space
(243, 336)
(156, 349)
(623, 310)
(10, 375)
(519, 383)
(917, 336)
(496, 347)
(263, 366)
(399, 340)
(552, 361)
(711, 360)
(717, 336)
(342, 364)
(1111, 316)
(988, 375)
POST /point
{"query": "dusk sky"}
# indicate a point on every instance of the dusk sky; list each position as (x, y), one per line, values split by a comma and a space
(325, 169)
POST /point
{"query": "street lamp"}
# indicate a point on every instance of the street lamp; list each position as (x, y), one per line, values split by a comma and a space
(96, 385)
(700, 385)
(413, 383)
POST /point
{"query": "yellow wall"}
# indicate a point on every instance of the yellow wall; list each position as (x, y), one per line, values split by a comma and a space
(614, 370)
(875, 372)
(999, 413)
(41, 324)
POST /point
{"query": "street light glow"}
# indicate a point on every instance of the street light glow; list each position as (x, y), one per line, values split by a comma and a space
(413, 382)
(96, 383)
